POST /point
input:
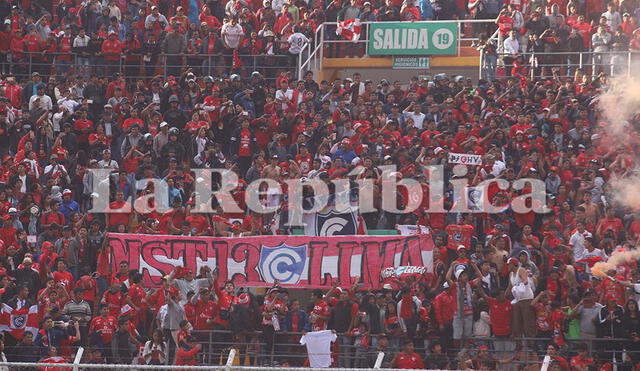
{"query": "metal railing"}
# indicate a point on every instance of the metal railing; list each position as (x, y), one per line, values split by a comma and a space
(138, 67)
(312, 59)
(539, 65)
(220, 351)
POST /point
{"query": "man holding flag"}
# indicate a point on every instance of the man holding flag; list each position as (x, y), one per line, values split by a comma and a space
(19, 315)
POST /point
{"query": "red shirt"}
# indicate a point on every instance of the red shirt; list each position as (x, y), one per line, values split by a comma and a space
(244, 150)
(500, 315)
(17, 47)
(118, 218)
(459, 235)
(111, 49)
(115, 301)
(107, 327)
(579, 361)
(186, 357)
(543, 316)
(205, 312)
(65, 47)
(132, 120)
(320, 309)
(64, 277)
(409, 361)
(33, 43)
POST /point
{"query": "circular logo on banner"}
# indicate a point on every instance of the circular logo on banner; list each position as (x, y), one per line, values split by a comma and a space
(19, 321)
(442, 38)
(333, 226)
(457, 237)
(284, 264)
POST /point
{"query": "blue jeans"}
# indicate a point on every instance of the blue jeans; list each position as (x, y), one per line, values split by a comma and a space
(490, 63)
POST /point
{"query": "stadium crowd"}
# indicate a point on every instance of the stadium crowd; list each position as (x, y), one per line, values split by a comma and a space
(496, 278)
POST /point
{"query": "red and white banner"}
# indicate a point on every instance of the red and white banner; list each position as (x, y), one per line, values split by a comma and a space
(17, 321)
(465, 159)
(300, 261)
(350, 29)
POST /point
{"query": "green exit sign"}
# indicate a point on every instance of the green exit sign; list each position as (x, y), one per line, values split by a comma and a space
(410, 63)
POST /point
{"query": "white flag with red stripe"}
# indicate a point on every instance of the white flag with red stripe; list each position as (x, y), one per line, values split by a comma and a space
(350, 29)
(17, 321)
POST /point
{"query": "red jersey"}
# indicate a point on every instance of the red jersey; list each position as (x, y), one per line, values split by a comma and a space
(580, 361)
(320, 309)
(500, 316)
(411, 361)
(111, 50)
(205, 312)
(459, 235)
(64, 277)
(118, 218)
(106, 326)
(65, 46)
(305, 163)
(244, 148)
(115, 301)
(543, 316)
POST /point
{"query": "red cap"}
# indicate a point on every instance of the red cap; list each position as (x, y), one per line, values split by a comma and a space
(513, 261)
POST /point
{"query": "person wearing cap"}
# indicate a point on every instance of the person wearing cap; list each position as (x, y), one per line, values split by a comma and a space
(111, 50)
(107, 162)
(521, 285)
(31, 88)
(174, 45)
(155, 21)
(68, 206)
(174, 116)
(131, 140)
(44, 101)
(462, 322)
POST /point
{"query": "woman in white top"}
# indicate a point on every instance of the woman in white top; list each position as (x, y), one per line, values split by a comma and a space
(524, 318)
(155, 350)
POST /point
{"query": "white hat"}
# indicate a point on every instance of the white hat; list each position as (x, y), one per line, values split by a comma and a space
(163, 124)
(387, 286)
(438, 150)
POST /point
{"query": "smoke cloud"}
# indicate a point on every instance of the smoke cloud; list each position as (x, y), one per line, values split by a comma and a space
(616, 259)
(619, 105)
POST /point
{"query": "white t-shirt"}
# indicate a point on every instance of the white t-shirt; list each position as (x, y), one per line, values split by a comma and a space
(418, 119)
(577, 244)
(319, 347)
(232, 35)
(280, 95)
(297, 42)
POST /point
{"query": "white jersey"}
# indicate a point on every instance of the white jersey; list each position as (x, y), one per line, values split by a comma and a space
(519, 289)
(297, 42)
(319, 347)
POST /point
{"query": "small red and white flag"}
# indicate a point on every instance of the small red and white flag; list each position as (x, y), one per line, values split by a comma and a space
(350, 29)
(17, 321)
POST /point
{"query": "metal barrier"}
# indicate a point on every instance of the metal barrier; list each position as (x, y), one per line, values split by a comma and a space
(89, 366)
(163, 64)
(217, 350)
(537, 65)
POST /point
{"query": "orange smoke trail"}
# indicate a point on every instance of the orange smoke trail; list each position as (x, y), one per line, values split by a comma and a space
(616, 259)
